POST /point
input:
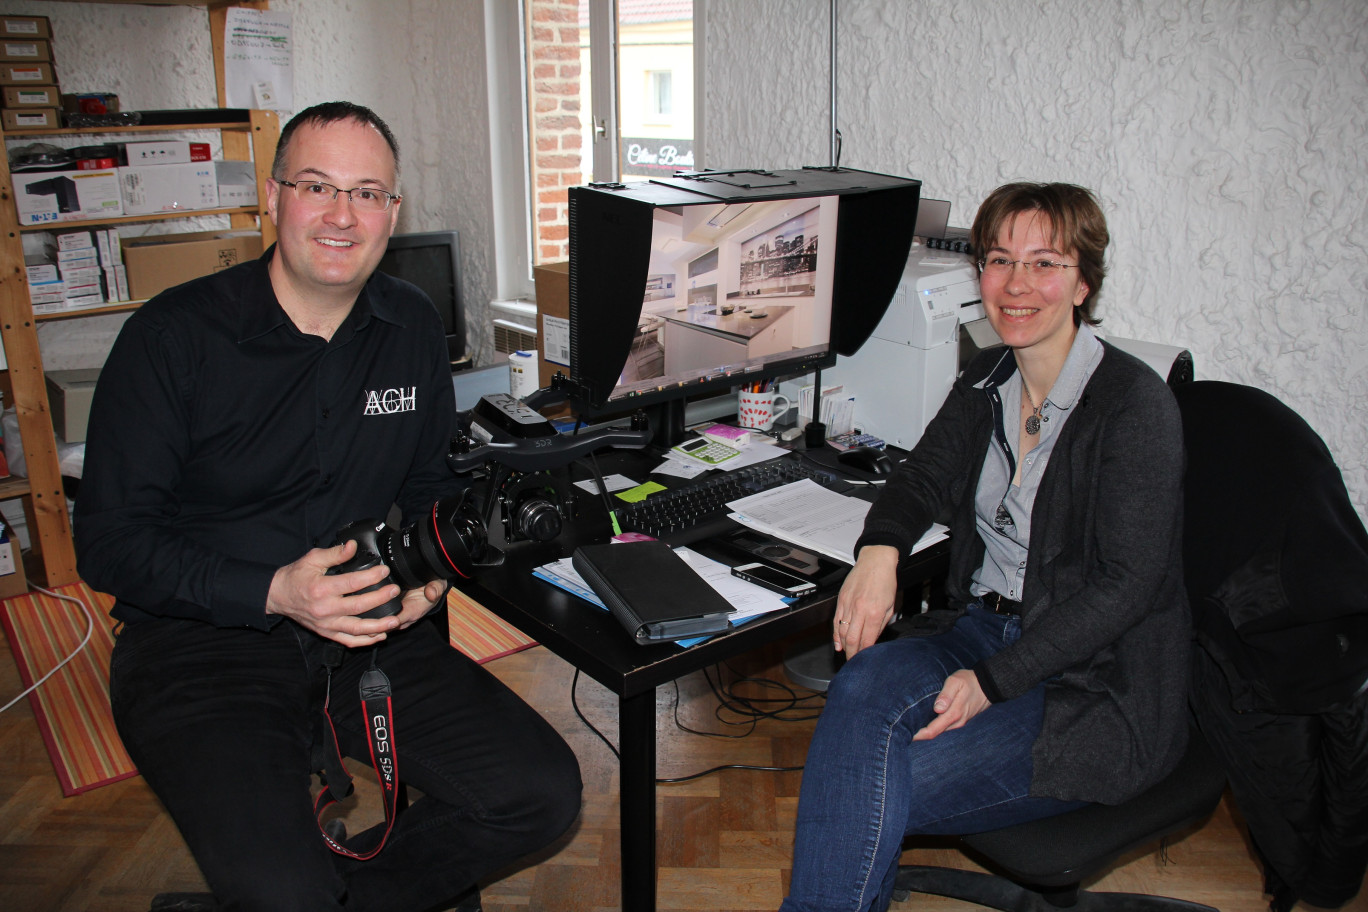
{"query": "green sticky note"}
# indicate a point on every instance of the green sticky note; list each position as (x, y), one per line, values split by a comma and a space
(639, 493)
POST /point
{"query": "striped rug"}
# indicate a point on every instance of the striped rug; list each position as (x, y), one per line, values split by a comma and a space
(72, 706)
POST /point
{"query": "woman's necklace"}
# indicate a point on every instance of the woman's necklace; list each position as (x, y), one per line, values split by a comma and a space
(1033, 419)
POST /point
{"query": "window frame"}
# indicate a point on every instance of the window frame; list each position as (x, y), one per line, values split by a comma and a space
(513, 197)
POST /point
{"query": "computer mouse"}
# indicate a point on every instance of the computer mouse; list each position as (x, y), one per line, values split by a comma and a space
(867, 459)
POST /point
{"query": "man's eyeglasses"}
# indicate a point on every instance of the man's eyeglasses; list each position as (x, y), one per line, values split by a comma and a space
(1000, 267)
(319, 193)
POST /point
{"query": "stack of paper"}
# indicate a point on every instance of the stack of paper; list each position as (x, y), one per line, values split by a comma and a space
(813, 517)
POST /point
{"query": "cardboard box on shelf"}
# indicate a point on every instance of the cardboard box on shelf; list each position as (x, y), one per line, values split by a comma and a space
(47, 293)
(75, 240)
(40, 271)
(25, 50)
(236, 183)
(553, 303)
(90, 103)
(116, 283)
(168, 188)
(12, 579)
(25, 27)
(69, 395)
(90, 300)
(154, 264)
(30, 119)
(167, 152)
(32, 97)
(27, 74)
(49, 197)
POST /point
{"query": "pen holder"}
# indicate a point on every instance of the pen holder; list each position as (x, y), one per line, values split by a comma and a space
(760, 410)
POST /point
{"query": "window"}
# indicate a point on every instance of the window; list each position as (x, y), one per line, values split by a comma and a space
(600, 107)
(659, 95)
(560, 71)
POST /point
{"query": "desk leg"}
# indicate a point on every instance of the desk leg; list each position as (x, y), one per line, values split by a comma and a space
(636, 729)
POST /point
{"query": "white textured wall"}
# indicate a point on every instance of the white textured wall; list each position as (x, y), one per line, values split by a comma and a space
(418, 63)
(1227, 139)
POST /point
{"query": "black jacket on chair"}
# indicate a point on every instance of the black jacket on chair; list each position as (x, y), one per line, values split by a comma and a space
(1277, 570)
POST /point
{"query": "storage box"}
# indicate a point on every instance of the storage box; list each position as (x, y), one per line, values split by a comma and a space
(553, 304)
(12, 579)
(168, 188)
(237, 184)
(154, 264)
(48, 197)
(25, 27)
(40, 270)
(25, 50)
(90, 103)
(27, 74)
(116, 283)
(30, 119)
(69, 395)
(169, 152)
(32, 97)
(74, 240)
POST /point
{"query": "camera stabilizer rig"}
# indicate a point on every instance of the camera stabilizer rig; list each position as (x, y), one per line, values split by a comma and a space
(528, 459)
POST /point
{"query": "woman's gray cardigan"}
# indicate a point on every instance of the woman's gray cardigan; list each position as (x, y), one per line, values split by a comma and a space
(1104, 612)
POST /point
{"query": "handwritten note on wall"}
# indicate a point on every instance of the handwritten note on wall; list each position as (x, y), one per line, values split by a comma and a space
(258, 59)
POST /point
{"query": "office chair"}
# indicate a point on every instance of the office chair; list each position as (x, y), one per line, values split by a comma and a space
(1045, 861)
(1280, 683)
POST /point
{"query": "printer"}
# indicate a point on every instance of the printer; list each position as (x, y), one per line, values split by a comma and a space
(903, 372)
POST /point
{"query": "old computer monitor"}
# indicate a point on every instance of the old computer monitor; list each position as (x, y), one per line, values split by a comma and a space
(432, 261)
(705, 282)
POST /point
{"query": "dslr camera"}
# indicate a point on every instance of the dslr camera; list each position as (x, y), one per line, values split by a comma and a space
(448, 542)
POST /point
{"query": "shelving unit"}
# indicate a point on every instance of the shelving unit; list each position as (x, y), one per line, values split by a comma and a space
(53, 554)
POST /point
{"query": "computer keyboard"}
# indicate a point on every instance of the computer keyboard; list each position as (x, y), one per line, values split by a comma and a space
(686, 515)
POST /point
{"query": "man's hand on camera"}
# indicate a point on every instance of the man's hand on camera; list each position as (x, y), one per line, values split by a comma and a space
(419, 603)
(304, 592)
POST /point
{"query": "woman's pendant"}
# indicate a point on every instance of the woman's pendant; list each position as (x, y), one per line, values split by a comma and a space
(1033, 424)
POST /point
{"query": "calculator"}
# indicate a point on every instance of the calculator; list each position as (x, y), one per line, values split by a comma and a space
(705, 450)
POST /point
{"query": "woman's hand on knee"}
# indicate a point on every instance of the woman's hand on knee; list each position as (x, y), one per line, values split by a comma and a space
(961, 698)
(865, 606)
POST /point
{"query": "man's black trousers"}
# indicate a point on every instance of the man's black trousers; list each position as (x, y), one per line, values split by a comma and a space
(223, 724)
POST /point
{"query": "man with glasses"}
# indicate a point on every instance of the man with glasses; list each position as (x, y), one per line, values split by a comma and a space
(229, 439)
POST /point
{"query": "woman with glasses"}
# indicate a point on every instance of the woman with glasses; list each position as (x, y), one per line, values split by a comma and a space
(1058, 675)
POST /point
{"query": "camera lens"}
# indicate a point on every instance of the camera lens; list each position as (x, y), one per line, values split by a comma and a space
(441, 545)
(537, 519)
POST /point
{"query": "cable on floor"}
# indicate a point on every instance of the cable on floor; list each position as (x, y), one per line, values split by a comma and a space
(744, 706)
(85, 641)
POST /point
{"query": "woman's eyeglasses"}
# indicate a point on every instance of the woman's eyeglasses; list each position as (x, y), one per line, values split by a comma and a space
(1001, 267)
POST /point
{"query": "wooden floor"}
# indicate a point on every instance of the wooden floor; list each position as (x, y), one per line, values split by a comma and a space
(724, 841)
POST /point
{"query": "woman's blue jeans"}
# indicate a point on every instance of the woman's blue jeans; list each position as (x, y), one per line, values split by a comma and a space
(867, 784)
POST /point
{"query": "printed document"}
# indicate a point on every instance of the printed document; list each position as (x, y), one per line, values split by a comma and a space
(813, 517)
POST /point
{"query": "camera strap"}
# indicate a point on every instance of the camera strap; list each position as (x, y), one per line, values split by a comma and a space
(377, 708)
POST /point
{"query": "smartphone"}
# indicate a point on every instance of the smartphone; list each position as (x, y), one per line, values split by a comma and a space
(774, 579)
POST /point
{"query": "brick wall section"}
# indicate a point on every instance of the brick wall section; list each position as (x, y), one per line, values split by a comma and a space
(554, 108)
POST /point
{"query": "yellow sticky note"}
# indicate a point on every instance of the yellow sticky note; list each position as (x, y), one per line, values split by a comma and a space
(639, 493)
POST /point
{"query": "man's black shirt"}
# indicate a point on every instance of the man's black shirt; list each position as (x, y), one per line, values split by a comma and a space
(223, 443)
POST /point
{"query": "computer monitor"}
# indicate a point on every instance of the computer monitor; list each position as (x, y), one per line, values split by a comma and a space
(432, 261)
(704, 282)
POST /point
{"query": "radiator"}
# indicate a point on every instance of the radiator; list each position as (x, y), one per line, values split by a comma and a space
(514, 324)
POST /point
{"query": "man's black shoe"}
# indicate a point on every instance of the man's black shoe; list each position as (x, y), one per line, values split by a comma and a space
(184, 902)
(469, 902)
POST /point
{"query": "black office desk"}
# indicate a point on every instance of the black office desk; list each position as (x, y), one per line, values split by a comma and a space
(589, 638)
